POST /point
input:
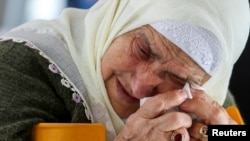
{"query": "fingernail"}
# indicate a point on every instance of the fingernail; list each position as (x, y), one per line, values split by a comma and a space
(183, 94)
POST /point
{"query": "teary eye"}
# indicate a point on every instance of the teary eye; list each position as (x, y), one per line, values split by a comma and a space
(176, 79)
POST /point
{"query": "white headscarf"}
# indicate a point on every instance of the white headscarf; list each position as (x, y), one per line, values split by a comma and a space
(89, 37)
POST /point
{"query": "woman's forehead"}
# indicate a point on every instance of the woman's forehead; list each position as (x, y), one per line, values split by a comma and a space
(198, 43)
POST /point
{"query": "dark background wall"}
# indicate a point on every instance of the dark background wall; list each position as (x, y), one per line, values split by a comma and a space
(240, 83)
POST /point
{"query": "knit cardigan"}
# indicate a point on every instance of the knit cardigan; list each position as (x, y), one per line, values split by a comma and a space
(33, 90)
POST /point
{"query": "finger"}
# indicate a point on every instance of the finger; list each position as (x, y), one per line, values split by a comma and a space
(147, 134)
(214, 112)
(198, 131)
(171, 121)
(160, 103)
(176, 135)
(152, 134)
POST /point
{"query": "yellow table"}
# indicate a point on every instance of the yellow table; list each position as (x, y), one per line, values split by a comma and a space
(69, 132)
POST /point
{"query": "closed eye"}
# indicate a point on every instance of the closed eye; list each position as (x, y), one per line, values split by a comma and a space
(141, 49)
(176, 79)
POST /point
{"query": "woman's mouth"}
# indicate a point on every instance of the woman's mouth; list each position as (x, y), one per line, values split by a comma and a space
(124, 95)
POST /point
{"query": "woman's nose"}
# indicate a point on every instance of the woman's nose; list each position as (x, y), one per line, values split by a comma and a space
(144, 84)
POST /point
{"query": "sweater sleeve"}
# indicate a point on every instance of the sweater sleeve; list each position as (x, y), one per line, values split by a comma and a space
(27, 94)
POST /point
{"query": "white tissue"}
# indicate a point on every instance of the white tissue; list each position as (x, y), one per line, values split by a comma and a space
(143, 100)
(189, 96)
(186, 88)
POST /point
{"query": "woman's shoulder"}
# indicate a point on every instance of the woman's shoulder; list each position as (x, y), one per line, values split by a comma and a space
(16, 55)
(35, 70)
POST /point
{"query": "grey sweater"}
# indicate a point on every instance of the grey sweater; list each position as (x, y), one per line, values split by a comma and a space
(31, 93)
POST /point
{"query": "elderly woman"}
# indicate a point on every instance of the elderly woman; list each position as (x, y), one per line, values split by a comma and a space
(99, 65)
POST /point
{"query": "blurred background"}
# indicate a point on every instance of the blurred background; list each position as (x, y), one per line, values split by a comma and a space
(16, 12)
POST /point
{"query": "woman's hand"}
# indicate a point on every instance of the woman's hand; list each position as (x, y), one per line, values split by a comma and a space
(156, 121)
(208, 112)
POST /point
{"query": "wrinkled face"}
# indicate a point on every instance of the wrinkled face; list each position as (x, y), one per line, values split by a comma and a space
(143, 63)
